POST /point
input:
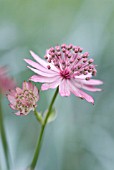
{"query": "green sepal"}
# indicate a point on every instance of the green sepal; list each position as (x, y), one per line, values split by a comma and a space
(52, 115)
(39, 117)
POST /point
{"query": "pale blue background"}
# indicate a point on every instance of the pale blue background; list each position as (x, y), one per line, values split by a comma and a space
(82, 137)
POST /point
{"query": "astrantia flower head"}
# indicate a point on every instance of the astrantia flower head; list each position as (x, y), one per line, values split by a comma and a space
(6, 82)
(67, 67)
(24, 100)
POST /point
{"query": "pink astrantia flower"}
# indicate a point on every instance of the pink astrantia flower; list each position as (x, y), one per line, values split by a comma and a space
(6, 82)
(24, 100)
(67, 68)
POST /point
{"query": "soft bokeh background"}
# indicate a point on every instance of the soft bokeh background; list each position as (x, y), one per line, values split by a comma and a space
(82, 136)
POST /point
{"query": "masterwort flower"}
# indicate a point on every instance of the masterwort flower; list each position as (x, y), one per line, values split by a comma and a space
(68, 68)
(6, 82)
(24, 100)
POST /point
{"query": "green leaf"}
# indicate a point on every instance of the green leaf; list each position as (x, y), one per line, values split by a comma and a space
(52, 115)
(38, 116)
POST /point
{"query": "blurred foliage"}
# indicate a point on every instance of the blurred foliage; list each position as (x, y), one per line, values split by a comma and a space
(82, 136)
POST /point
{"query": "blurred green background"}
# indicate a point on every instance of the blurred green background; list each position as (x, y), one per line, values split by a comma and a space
(82, 136)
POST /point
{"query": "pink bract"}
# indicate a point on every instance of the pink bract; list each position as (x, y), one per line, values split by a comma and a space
(68, 68)
(6, 83)
(24, 100)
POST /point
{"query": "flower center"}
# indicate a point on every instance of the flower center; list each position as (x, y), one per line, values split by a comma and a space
(25, 100)
(70, 61)
(65, 74)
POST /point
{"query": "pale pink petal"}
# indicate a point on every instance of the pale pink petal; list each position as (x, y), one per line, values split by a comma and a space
(24, 85)
(12, 93)
(80, 93)
(19, 114)
(38, 59)
(11, 99)
(12, 106)
(35, 91)
(42, 73)
(87, 97)
(41, 79)
(64, 88)
(39, 66)
(42, 62)
(91, 88)
(30, 86)
(74, 89)
(92, 82)
(52, 85)
(79, 84)
(82, 77)
(19, 90)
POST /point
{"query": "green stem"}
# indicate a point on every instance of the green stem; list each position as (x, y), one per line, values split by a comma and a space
(3, 137)
(38, 147)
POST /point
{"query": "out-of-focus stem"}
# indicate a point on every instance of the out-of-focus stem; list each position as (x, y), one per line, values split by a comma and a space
(3, 136)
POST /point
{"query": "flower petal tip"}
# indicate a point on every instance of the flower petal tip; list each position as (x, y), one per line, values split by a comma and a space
(31, 52)
(101, 82)
(92, 103)
(25, 59)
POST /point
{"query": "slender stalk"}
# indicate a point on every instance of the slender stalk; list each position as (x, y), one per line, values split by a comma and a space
(38, 147)
(3, 137)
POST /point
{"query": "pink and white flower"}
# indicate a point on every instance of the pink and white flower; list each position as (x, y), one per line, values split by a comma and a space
(6, 82)
(67, 68)
(24, 100)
